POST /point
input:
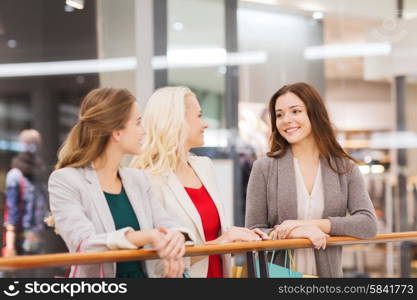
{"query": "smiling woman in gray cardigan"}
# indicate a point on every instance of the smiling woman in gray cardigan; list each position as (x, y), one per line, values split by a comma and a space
(307, 166)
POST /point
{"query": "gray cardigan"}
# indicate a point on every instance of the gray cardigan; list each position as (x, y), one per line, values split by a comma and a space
(272, 199)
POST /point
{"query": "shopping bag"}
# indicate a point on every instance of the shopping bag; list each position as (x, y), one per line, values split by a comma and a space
(237, 271)
(286, 271)
(276, 271)
(186, 275)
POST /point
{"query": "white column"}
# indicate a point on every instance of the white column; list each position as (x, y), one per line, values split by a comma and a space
(144, 50)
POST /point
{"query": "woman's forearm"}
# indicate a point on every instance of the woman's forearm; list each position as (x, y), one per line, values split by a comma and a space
(323, 224)
(141, 237)
(220, 240)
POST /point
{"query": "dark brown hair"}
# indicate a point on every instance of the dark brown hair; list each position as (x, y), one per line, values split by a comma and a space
(102, 111)
(321, 126)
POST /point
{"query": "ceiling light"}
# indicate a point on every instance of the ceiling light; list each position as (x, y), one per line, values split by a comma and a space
(176, 58)
(318, 15)
(347, 50)
(78, 4)
(178, 26)
(11, 44)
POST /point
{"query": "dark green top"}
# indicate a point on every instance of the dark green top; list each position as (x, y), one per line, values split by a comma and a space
(124, 216)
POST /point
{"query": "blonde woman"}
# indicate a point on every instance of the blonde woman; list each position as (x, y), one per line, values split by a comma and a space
(173, 125)
(97, 205)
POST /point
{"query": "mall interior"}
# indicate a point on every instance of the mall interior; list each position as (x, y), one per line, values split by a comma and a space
(233, 54)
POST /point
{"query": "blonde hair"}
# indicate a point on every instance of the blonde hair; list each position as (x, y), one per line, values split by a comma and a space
(166, 131)
(102, 111)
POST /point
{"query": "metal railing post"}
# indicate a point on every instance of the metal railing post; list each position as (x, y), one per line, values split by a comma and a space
(251, 262)
(263, 264)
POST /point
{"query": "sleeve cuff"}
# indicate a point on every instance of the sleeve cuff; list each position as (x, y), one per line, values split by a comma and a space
(117, 239)
(334, 226)
(189, 243)
(185, 231)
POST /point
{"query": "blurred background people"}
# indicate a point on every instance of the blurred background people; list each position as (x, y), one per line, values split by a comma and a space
(26, 202)
(26, 199)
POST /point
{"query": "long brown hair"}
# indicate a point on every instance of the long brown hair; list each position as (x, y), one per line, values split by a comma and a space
(102, 111)
(321, 127)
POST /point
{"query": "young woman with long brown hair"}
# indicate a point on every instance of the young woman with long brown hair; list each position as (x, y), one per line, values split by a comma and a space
(98, 205)
(307, 183)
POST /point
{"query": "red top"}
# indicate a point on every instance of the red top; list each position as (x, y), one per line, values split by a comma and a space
(211, 225)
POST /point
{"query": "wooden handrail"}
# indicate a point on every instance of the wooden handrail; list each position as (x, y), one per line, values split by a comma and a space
(64, 259)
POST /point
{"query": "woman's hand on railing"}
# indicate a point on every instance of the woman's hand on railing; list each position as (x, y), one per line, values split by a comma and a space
(239, 234)
(173, 267)
(168, 243)
(261, 234)
(317, 237)
(284, 229)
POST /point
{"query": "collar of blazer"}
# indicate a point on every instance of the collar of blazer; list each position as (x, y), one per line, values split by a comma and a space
(287, 192)
(133, 192)
(204, 171)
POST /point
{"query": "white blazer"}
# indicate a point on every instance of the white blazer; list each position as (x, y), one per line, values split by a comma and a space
(180, 208)
(82, 215)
